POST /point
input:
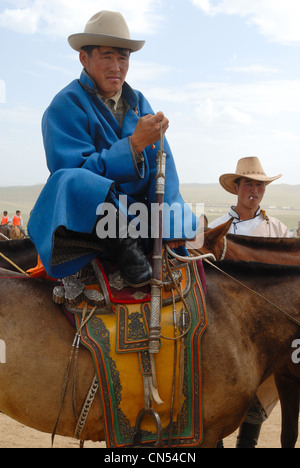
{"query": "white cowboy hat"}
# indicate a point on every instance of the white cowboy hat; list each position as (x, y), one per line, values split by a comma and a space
(250, 168)
(106, 28)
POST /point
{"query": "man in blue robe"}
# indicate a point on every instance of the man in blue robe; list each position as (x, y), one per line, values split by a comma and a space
(101, 139)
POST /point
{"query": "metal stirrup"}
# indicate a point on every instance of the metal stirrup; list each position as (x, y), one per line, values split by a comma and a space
(137, 436)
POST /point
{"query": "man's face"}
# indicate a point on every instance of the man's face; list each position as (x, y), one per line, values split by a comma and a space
(250, 192)
(108, 67)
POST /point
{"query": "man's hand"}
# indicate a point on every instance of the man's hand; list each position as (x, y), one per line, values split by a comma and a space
(147, 131)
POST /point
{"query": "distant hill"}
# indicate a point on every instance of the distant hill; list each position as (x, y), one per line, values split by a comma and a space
(281, 201)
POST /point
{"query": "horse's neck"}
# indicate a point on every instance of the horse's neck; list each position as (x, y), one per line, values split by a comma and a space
(237, 252)
(273, 254)
(259, 327)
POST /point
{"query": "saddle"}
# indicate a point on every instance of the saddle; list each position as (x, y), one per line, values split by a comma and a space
(113, 321)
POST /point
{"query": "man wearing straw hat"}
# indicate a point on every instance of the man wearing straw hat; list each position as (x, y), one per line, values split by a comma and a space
(101, 139)
(249, 183)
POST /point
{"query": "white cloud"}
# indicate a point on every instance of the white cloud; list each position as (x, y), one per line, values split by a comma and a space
(254, 69)
(268, 98)
(212, 113)
(220, 122)
(23, 20)
(64, 17)
(277, 19)
(204, 5)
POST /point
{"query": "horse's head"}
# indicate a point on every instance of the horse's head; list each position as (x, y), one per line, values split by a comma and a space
(214, 239)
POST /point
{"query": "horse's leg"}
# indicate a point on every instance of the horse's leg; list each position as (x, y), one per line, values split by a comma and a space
(225, 402)
(289, 393)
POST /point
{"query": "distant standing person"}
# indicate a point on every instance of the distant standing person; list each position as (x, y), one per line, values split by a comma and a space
(249, 184)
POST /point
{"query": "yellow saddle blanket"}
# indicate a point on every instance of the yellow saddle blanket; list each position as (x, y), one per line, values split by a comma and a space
(117, 337)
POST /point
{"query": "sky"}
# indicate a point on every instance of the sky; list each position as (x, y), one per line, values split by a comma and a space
(226, 73)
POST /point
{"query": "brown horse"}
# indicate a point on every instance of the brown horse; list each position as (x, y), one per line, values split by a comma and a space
(4, 231)
(247, 339)
(280, 251)
(22, 252)
(16, 233)
(271, 251)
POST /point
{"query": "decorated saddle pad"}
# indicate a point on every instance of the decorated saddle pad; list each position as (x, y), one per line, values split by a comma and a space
(117, 337)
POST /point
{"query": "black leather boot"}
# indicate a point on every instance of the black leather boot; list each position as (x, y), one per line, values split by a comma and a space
(130, 257)
(248, 435)
(128, 254)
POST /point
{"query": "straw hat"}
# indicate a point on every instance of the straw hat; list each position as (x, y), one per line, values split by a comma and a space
(250, 168)
(106, 28)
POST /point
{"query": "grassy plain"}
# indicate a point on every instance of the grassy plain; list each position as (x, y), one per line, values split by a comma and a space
(281, 201)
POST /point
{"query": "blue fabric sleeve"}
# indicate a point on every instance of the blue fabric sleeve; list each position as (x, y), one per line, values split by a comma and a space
(70, 142)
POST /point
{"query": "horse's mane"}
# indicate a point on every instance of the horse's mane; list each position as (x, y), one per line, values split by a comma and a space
(256, 268)
(16, 245)
(268, 243)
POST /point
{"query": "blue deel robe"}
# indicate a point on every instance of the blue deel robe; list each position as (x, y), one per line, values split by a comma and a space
(88, 156)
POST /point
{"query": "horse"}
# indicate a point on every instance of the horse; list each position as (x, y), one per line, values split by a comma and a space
(4, 231)
(21, 252)
(16, 233)
(281, 251)
(247, 339)
(271, 251)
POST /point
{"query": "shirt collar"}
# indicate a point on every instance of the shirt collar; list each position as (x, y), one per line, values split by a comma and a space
(114, 98)
(235, 215)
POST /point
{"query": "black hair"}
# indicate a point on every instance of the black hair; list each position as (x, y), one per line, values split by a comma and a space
(89, 49)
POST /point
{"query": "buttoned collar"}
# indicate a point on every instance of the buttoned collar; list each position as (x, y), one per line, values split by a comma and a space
(236, 216)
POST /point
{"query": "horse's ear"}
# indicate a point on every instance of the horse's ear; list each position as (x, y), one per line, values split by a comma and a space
(218, 233)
